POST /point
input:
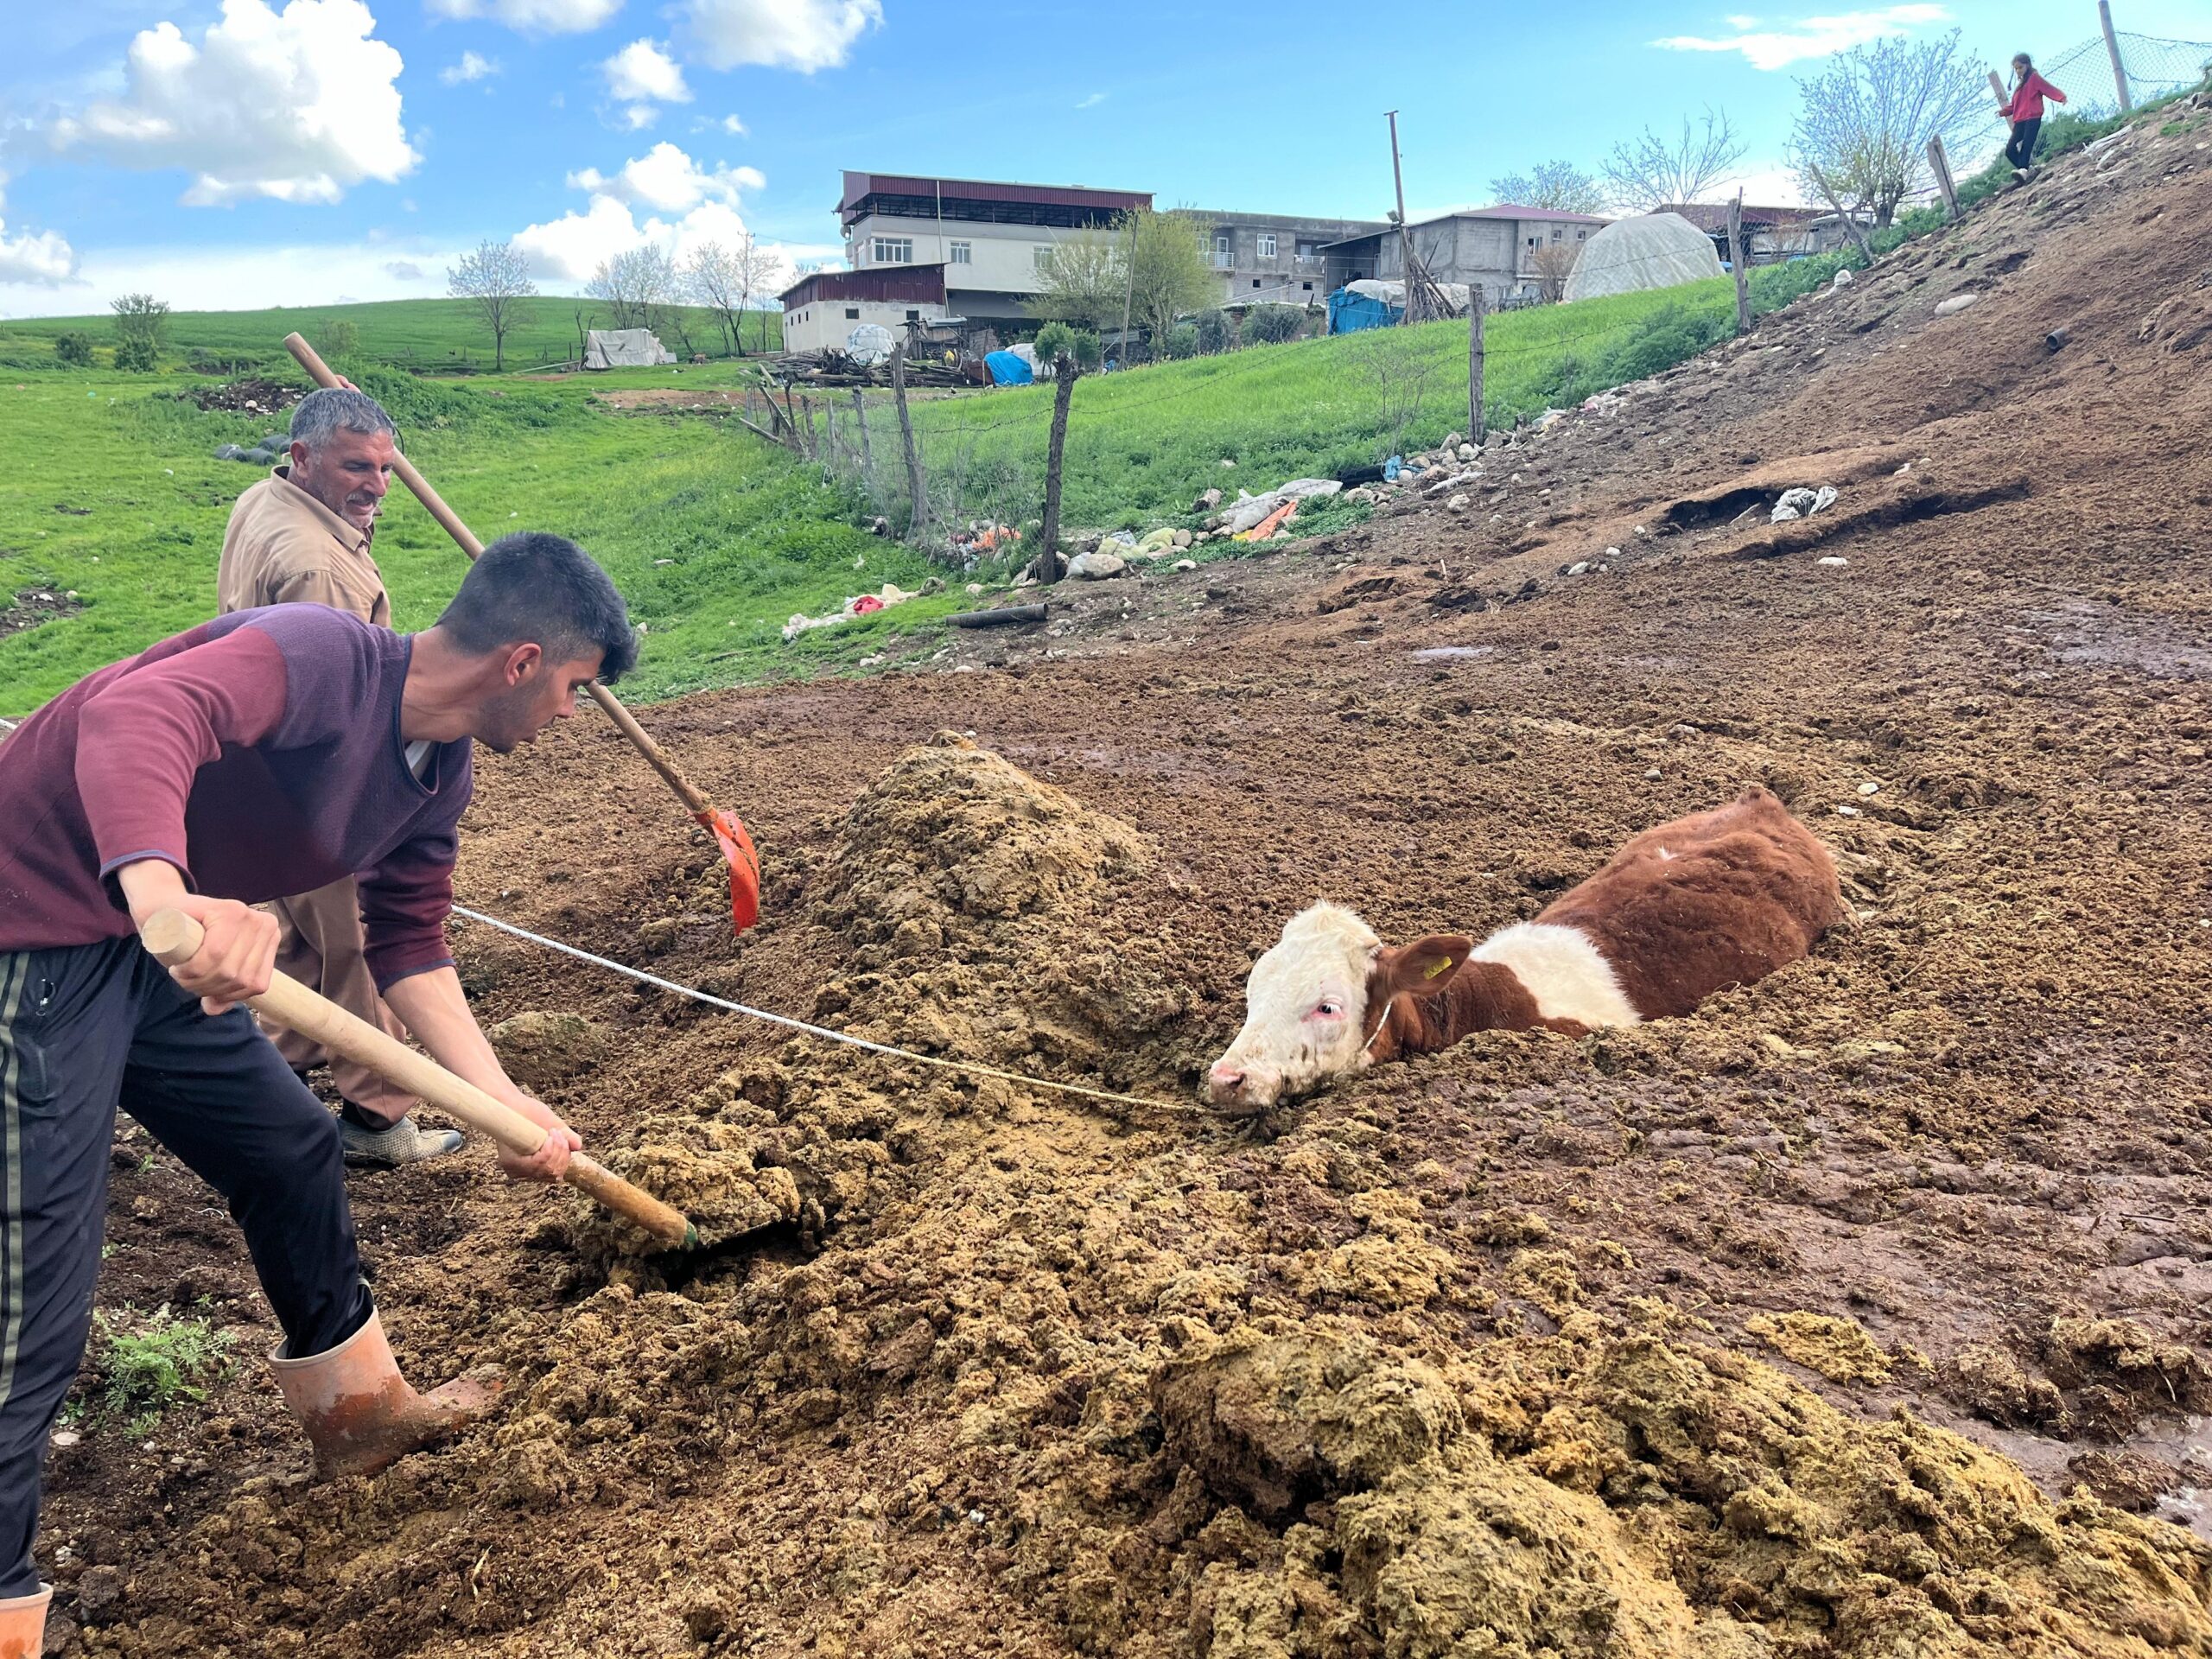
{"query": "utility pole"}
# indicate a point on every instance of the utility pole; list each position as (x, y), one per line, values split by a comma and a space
(1129, 297)
(2112, 47)
(1736, 263)
(1475, 433)
(1405, 231)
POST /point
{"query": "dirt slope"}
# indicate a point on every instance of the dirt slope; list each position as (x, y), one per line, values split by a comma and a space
(1721, 1337)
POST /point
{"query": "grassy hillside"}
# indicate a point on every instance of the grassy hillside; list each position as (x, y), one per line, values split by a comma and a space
(1141, 444)
(424, 335)
(108, 491)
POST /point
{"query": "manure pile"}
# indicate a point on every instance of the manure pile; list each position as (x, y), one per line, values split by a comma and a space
(967, 1370)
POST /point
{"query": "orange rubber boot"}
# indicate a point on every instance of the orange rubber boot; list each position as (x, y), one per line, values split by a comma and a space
(361, 1414)
(22, 1625)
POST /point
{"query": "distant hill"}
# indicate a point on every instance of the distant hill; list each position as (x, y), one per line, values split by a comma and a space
(432, 336)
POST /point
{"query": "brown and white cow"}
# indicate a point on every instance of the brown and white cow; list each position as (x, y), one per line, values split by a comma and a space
(1717, 898)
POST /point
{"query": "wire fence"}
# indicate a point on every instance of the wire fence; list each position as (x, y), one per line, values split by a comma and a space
(2154, 65)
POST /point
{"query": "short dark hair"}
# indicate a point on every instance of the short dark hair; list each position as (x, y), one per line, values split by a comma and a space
(543, 590)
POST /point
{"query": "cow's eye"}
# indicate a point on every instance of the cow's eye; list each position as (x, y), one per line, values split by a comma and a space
(1329, 1010)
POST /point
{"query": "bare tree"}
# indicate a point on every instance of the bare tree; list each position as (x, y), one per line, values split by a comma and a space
(1398, 375)
(1648, 172)
(1086, 282)
(1560, 186)
(494, 277)
(760, 272)
(714, 278)
(635, 287)
(1866, 119)
(1553, 264)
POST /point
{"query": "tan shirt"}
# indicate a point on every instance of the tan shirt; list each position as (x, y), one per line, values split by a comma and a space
(283, 547)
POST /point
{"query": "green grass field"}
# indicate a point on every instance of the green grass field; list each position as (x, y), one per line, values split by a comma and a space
(428, 335)
(1141, 444)
(108, 490)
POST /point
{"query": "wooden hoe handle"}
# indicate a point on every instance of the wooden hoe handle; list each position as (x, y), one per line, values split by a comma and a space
(173, 938)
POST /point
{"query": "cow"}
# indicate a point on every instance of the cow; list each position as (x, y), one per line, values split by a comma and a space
(1717, 898)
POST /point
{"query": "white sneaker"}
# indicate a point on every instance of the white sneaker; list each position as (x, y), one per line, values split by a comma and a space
(403, 1143)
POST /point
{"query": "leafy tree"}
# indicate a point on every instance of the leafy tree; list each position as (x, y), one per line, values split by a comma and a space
(141, 316)
(1649, 172)
(1560, 185)
(1085, 281)
(1056, 340)
(1268, 325)
(137, 355)
(340, 337)
(494, 277)
(1865, 120)
(74, 348)
(1173, 274)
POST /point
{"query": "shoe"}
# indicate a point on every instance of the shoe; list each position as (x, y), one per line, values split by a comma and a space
(403, 1143)
(23, 1625)
(360, 1413)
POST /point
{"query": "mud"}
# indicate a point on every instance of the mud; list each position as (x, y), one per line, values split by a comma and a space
(1860, 1313)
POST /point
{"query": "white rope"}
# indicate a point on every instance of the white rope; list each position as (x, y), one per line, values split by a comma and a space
(784, 1019)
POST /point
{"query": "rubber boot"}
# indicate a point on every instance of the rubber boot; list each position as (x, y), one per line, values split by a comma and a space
(22, 1625)
(361, 1414)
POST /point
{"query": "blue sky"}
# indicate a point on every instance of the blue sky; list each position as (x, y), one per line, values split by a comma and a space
(233, 152)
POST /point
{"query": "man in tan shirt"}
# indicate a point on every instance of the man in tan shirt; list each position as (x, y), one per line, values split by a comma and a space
(301, 536)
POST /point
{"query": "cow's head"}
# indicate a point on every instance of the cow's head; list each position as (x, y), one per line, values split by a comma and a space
(1315, 1005)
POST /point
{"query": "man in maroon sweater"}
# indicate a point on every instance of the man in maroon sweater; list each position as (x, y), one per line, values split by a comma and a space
(266, 753)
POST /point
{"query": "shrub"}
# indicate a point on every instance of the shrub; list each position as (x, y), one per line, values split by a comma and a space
(1270, 325)
(1058, 340)
(1089, 351)
(136, 354)
(1672, 335)
(164, 1361)
(340, 337)
(74, 349)
(1183, 340)
(1216, 332)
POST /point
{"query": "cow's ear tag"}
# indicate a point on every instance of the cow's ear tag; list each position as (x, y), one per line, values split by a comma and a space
(1440, 970)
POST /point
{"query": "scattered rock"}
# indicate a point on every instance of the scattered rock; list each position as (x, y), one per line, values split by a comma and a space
(1097, 567)
(1185, 564)
(1844, 278)
(1833, 561)
(99, 1595)
(1456, 504)
(1956, 304)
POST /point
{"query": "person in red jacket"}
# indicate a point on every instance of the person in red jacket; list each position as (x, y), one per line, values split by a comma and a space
(2024, 111)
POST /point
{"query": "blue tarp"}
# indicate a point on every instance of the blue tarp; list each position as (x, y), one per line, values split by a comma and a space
(1348, 313)
(1008, 370)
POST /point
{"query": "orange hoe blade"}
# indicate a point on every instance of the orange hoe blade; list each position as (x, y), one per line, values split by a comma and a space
(744, 865)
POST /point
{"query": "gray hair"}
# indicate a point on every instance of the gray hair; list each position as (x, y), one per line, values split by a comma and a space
(333, 409)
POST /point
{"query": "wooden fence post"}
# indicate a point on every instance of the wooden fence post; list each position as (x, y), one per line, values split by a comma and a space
(867, 454)
(1048, 541)
(918, 526)
(1475, 306)
(1736, 263)
(2112, 50)
(1866, 249)
(1940, 163)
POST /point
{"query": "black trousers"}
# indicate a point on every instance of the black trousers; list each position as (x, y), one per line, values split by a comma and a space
(83, 1029)
(2021, 151)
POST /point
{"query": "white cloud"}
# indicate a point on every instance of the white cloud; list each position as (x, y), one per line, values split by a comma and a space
(638, 117)
(299, 105)
(1740, 22)
(42, 256)
(1810, 37)
(734, 127)
(701, 205)
(1092, 102)
(533, 16)
(642, 71)
(404, 270)
(666, 178)
(473, 66)
(227, 276)
(805, 34)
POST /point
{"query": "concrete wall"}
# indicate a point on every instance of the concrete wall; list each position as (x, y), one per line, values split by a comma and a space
(1286, 277)
(827, 325)
(1001, 258)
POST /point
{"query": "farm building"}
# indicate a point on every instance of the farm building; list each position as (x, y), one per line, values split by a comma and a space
(1511, 250)
(1770, 234)
(821, 311)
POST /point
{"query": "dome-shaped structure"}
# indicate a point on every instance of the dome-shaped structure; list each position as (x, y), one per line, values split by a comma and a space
(1657, 251)
(870, 344)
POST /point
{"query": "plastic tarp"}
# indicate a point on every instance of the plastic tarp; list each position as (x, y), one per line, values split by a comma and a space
(624, 348)
(1349, 313)
(1655, 250)
(1008, 369)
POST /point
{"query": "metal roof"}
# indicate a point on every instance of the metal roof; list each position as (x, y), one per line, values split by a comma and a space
(859, 185)
(888, 285)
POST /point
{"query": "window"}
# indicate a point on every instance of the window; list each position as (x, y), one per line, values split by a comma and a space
(1308, 287)
(1038, 255)
(963, 254)
(1309, 250)
(1255, 281)
(893, 250)
(1267, 244)
(1582, 235)
(1221, 244)
(1534, 240)
(1222, 259)
(1557, 235)
(852, 314)
(914, 316)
